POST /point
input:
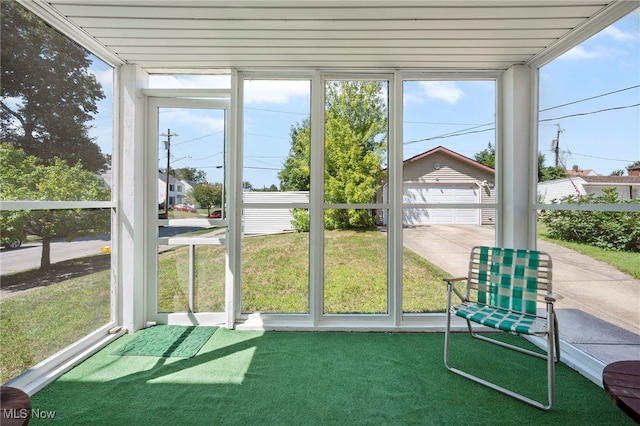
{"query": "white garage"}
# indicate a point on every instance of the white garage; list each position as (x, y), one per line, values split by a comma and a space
(458, 194)
(442, 176)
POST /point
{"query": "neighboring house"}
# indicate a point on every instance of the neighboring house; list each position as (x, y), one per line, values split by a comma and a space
(188, 185)
(177, 189)
(442, 176)
(628, 187)
(261, 220)
(577, 171)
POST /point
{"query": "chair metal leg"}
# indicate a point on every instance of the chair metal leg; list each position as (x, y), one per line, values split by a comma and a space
(447, 328)
(504, 345)
(552, 344)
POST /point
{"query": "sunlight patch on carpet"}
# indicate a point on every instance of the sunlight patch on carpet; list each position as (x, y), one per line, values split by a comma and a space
(167, 341)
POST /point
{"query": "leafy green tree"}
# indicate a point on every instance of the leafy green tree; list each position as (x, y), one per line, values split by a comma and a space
(206, 195)
(355, 142)
(295, 172)
(487, 156)
(189, 173)
(47, 96)
(271, 188)
(618, 172)
(24, 177)
(549, 173)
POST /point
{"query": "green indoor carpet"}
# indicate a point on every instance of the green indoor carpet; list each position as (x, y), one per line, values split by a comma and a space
(249, 378)
(167, 341)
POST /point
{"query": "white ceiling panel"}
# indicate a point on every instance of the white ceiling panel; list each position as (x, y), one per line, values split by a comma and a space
(210, 34)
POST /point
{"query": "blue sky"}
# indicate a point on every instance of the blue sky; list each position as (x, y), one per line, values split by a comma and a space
(602, 134)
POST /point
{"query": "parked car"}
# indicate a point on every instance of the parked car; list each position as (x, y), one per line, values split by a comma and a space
(12, 242)
(184, 208)
(217, 214)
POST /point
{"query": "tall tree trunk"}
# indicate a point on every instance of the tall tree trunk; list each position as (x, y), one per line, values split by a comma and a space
(45, 259)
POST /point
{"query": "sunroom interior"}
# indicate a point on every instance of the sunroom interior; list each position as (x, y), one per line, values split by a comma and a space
(233, 48)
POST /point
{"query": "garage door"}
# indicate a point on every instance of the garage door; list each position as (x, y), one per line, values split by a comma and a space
(420, 194)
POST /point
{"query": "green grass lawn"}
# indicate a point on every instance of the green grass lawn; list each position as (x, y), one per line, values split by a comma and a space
(625, 261)
(275, 276)
(44, 320)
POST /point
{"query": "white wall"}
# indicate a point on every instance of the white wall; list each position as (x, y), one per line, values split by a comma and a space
(263, 220)
(558, 188)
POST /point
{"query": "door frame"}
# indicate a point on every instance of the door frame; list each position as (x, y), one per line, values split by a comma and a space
(151, 238)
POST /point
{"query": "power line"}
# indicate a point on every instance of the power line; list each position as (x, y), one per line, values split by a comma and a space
(601, 158)
(462, 132)
(470, 130)
(306, 114)
(590, 112)
(592, 97)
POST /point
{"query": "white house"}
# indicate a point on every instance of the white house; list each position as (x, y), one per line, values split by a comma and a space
(628, 187)
(177, 189)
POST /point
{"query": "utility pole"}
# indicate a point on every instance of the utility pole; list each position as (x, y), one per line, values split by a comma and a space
(167, 146)
(555, 146)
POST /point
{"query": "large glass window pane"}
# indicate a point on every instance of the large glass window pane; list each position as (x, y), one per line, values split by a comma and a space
(355, 271)
(589, 125)
(56, 145)
(275, 175)
(54, 291)
(191, 195)
(355, 145)
(448, 158)
(355, 161)
(275, 273)
(589, 144)
(56, 100)
(191, 165)
(209, 279)
(200, 267)
(173, 279)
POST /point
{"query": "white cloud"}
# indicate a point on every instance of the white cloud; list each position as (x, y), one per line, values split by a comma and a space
(198, 119)
(104, 77)
(162, 81)
(617, 34)
(596, 52)
(579, 52)
(274, 91)
(446, 91)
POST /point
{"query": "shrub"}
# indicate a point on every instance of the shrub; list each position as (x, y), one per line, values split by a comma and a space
(300, 220)
(605, 229)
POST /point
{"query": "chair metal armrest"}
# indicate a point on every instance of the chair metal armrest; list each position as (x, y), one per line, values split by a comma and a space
(451, 279)
(553, 297)
(451, 287)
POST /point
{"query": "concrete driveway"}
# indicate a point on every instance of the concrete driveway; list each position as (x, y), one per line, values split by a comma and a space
(600, 312)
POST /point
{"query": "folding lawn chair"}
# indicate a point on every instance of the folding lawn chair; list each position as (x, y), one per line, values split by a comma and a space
(503, 289)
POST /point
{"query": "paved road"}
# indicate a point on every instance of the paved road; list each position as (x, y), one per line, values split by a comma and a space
(601, 306)
(28, 256)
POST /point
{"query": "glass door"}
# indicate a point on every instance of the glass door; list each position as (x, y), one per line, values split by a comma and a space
(187, 162)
